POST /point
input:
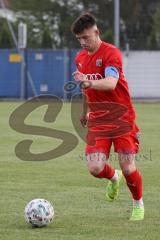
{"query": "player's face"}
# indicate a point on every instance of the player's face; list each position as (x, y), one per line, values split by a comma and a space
(88, 39)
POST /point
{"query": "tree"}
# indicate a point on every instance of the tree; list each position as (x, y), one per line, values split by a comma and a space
(137, 20)
(31, 5)
(58, 16)
(46, 39)
(156, 29)
(5, 37)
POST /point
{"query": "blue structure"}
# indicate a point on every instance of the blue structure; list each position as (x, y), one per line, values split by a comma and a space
(50, 70)
(9, 75)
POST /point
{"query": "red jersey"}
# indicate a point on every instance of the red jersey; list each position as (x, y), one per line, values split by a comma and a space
(93, 65)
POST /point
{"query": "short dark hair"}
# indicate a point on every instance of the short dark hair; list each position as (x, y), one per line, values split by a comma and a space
(83, 22)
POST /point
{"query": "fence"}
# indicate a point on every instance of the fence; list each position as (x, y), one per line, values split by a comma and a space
(50, 69)
(142, 70)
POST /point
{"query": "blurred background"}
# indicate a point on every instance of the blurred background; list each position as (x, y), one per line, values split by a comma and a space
(37, 49)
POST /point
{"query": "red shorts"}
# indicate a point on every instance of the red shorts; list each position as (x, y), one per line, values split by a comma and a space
(127, 144)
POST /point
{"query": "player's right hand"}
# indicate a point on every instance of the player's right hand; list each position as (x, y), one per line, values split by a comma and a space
(84, 120)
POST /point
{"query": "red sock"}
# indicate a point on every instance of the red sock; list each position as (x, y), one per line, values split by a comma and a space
(134, 183)
(108, 172)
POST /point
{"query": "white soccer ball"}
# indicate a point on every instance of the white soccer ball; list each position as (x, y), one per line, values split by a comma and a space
(39, 213)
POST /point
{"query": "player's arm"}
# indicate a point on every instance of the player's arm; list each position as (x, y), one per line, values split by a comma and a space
(85, 110)
(108, 83)
(85, 105)
(78, 76)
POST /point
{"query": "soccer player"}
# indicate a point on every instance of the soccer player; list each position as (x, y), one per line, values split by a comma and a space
(107, 112)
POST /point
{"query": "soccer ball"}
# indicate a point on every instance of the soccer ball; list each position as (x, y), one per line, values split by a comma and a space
(39, 213)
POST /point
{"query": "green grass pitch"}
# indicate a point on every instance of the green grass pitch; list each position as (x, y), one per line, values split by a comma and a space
(81, 212)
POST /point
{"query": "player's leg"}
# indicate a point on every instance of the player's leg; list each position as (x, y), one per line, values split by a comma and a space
(97, 165)
(96, 157)
(134, 182)
(126, 147)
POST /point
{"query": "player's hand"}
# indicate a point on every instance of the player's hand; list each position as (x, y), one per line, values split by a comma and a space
(84, 120)
(78, 76)
(85, 84)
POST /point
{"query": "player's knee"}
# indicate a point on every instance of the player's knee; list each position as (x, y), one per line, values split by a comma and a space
(127, 163)
(96, 163)
(127, 170)
(94, 171)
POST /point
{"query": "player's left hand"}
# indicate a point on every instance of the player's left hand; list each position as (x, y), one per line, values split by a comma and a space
(85, 84)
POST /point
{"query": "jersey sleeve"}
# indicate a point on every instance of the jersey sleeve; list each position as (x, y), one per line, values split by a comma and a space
(113, 59)
(76, 61)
